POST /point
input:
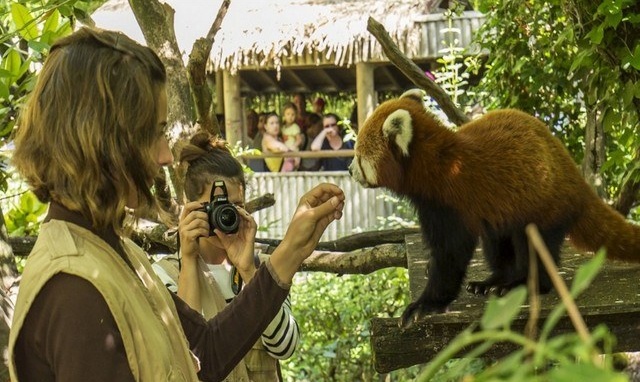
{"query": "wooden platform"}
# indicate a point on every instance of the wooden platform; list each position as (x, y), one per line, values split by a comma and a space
(613, 299)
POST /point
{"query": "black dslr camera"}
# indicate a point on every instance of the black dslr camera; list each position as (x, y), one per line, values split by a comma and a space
(221, 213)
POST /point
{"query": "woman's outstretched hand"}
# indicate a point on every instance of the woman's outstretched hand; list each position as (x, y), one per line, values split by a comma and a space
(240, 245)
(316, 210)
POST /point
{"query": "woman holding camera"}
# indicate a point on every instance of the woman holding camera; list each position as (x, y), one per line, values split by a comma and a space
(212, 270)
(90, 308)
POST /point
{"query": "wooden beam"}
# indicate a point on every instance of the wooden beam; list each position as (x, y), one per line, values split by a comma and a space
(302, 86)
(365, 89)
(303, 154)
(268, 79)
(394, 347)
(387, 73)
(219, 92)
(329, 79)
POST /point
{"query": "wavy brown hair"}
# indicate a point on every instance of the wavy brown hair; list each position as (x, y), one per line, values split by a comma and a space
(207, 159)
(90, 124)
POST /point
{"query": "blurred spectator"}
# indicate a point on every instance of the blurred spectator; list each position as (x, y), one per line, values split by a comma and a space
(331, 138)
(315, 126)
(258, 165)
(271, 143)
(318, 106)
(292, 135)
(251, 123)
(301, 104)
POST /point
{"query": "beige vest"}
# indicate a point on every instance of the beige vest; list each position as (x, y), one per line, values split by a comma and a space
(257, 365)
(142, 307)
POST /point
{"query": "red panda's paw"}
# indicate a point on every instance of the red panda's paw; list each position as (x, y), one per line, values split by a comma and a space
(485, 288)
(418, 310)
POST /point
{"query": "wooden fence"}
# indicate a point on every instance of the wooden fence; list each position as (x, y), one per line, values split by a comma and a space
(362, 208)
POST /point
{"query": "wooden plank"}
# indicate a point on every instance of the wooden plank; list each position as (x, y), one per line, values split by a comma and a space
(613, 299)
(417, 260)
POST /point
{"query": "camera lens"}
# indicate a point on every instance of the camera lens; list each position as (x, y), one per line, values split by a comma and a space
(226, 219)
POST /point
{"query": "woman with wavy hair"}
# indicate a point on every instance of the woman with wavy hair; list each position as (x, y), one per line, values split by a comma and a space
(90, 307)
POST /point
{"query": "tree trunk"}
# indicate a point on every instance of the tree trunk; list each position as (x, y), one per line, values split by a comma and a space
(594, 151)
(156, 21)
(157, 24)
(198, 60)
(630, 189)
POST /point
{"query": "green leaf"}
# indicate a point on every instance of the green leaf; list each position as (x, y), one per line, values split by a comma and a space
(635, 57)
(610, 120)
(52, 22)
(12, 63)
(571, 372)
(586, 273)
(628, 92)
(39, 46)
(596, 35)
(612, 20)
(637, 89)
(25, 23)
(501, 311)
(4, 91)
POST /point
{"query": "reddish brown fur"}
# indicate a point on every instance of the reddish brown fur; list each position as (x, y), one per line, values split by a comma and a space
(503, 169)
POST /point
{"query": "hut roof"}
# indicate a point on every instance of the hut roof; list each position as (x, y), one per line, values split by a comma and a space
(268, 32)
(304, 45)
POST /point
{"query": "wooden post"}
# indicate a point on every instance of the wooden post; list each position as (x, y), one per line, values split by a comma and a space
(219, 92)
(366, 93)
(232, 108)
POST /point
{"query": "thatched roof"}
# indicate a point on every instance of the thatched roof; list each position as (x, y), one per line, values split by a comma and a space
(304, 45)
(268, 32)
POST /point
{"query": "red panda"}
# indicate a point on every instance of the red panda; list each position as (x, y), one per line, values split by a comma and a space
(487, 180)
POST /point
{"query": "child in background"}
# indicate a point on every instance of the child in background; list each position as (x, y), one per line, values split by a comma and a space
(291, 131)
(271, 143)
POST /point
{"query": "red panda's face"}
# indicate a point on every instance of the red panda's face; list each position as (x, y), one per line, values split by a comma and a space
(386, 134)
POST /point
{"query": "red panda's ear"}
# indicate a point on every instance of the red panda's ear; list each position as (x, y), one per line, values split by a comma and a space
(415, 94)
(398, 127)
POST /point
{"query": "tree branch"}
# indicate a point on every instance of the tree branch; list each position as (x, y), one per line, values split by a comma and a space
(414, 73)
(356, 241)
(197, 73)
(361, 261)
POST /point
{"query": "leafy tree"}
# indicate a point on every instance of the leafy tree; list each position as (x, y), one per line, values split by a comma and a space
(334, 318)
(575, 65)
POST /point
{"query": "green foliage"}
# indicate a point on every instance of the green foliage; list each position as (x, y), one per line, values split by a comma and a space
(565, 357)
(560, 59)
(25, 218)
(333, 313)
(528, 64)
(29, 28)
(404, 215)
(451, 74)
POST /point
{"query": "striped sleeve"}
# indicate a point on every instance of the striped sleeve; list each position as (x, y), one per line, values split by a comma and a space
(281, 337)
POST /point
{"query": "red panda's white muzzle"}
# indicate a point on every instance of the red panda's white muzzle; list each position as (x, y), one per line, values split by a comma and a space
(363, 172)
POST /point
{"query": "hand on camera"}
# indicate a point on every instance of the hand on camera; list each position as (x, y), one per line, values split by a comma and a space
(193, 224)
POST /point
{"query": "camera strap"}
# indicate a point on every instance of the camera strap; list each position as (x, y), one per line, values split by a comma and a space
(236, 280)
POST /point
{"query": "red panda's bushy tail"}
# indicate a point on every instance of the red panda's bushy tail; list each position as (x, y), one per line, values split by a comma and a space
(599, 225)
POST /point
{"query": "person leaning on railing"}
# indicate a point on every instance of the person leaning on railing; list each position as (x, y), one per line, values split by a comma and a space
(331, 138)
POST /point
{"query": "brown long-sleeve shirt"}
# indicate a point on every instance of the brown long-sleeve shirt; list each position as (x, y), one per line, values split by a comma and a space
(70, 334)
